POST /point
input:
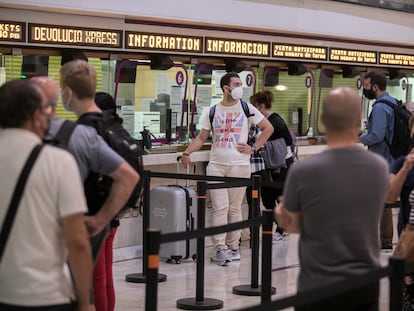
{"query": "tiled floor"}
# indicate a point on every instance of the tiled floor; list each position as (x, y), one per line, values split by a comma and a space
(218, 281)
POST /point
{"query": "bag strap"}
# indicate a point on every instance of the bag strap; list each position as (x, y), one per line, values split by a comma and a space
(17, 195)
(65, 132)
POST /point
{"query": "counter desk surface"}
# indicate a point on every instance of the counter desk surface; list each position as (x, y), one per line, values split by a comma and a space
(203, 155)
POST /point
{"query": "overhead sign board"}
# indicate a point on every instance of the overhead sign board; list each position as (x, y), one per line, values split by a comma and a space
(76, 36)
(300, 52)
(237, 47)
(352, 56)
(12, 31)
(396, 59)
(163, 42)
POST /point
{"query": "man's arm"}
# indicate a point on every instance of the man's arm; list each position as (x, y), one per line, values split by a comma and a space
(195, 145)
(124, 179)
(80, 258)
(397, 180)
(289, 221)
(267, 130)
(378, 127)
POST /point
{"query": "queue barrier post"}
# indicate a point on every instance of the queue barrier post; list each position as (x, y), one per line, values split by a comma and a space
(397, 267)
(153, 261)
(267, 289)
(253, 289)
(142, 277)
(200, 302)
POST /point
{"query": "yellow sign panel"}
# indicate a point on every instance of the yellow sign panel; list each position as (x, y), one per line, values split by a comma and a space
(353, 56)
(77, 36)
(303, 52)
(396, 59)
(237, 47)
(12, 31)
(163, 42)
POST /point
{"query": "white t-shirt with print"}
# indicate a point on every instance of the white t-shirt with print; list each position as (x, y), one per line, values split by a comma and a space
(230, 126)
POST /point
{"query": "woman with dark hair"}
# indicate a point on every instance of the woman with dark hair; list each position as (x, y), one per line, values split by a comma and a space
(103, 283)
(263, 102)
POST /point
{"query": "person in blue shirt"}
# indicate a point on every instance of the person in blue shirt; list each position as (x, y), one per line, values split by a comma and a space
(380, 129)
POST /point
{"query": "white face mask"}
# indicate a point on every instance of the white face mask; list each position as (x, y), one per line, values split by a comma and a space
(66, 101)
(237, 93)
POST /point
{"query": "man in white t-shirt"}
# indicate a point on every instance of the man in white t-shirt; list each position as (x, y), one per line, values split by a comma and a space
(49, 229)
(229, 157)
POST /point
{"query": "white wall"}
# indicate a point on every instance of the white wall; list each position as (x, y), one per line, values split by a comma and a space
(306, 16)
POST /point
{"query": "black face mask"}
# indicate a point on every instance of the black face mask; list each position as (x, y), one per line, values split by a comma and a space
(369, 93)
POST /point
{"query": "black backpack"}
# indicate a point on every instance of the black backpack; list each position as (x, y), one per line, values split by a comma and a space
(97, 186)
(62, 137)
(400, 144)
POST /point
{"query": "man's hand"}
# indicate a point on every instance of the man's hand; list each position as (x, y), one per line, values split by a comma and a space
(94, 225)
(409, 161)
(186, 159)
(283, 219)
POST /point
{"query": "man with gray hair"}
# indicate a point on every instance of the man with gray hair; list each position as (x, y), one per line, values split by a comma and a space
(345, 186)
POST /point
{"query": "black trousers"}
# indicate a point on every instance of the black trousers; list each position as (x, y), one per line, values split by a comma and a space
(361, 299)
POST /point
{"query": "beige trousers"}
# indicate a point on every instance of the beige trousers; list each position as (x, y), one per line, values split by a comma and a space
(227, 203)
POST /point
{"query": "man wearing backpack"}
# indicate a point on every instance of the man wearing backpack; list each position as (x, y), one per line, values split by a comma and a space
(380, 131)
(229, 157)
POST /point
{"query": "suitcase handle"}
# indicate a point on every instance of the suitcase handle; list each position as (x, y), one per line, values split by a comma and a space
(178, 169)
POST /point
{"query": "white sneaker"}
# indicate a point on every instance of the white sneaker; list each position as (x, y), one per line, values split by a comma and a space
(222, 257)
(233, 255)
(276, 238)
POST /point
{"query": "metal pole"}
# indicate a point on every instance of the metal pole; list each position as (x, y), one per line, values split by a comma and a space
(397, 266)
(267, 256)
(153, 261)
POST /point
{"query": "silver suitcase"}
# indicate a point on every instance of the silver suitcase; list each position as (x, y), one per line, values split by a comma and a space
(173, 208)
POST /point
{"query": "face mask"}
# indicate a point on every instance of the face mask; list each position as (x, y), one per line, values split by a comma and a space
(237, 93)
(368, 93)
(66, 101)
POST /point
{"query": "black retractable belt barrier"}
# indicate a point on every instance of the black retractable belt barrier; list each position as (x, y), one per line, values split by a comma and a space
(397, 266)
(153, 261)
(141, 277)
(199, 302)
(267, 289)
(253, 289)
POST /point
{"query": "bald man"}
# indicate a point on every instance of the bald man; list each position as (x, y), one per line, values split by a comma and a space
(334, 200)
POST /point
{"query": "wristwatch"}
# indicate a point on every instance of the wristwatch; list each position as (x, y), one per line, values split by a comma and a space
(253, 149)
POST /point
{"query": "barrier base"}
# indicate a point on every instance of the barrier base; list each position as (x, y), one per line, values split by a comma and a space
(142, 278)
(206, 304)
(248, 290)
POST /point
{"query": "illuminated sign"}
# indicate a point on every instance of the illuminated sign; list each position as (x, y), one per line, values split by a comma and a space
(237, 47)
(163, 42)
(12, 31)
(77, 36)
(300, 51)
(396, 59)
(353, 56)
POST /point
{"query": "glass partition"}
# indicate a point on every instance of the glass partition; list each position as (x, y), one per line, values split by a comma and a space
(328, 79)
(150, 99)
(293, 96)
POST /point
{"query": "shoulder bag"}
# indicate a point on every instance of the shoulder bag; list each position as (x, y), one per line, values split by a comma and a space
(17, 195)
